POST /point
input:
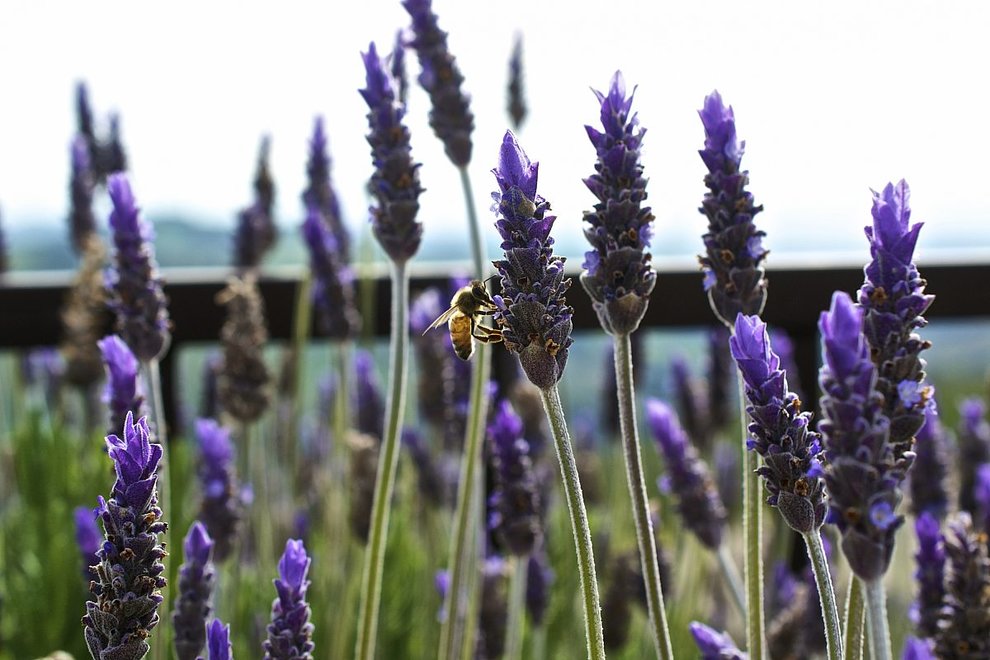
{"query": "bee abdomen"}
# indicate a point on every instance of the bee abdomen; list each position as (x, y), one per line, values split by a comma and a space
(460, 335)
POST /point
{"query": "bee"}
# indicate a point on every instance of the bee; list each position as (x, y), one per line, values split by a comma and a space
(468, 305)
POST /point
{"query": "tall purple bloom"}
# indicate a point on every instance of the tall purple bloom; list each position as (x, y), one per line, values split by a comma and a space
(129, 575)
(397, 66)
(514, 503)
(517, 99)
(450, 112)
(720, 379)
(982, 496)
(123, 393)
(82, 222)
(917, 649)
(370, 418)
(221, 507)
(687, 476)
(395, 181)
(964, 629)
(256, 232)
(88, 538)
(928, 480)
(135, 286)
(779, 430)
(714, 645)
(974, 449)
(193, 605)
(321, 194)
(691, 405)
(333, 280)
(290, 633)
(929, 574)
(734, 254)
(433, 358)
(863, 475)
(539, 577)
(218, 641)
(532, 312)
(894, 300)
(493, 611)
(618, 276)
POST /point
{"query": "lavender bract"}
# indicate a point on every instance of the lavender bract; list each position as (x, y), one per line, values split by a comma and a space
(321, 194)
(930, 575)
(733, 262)
(88, 538)
(618, 276)
(290, 633)
(893, 300)
(218, 641)
(194, 602)
(395, 181)
(123, 393)
(514, 502)
(333, 280)
(450, 112)
(687, 476)
(532, 312)
(862, 475)
(221, 508)
(129, 575)
(135, 286)
(714, 645)
(82, 222)
(928, 480)
(964, 628)
(779, 430)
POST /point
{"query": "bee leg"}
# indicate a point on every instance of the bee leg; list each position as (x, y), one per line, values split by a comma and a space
(488, 335)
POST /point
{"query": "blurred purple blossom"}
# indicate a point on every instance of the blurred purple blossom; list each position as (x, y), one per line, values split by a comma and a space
(123, 393)
(290, 633)
(221, 508)
(929, 574)
(194, 602)
(88, 538)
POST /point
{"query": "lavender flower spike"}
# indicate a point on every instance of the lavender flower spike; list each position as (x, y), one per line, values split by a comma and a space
(930, 575)
(517, 100)
(320, 193)
(290, 633)
(714, 645)
(194, 602)
(515, 503)
(221, 508)
(779, 430)
(974, 449)
(532, 312)
(129, 578)
(732, 264)
(123, 393)
(333, 280)
(618, 275)
(894, 300)
(917, 649)
(82, 222)
(395, 182)
(88, 538)
(862, 475)
(964, 629)
(928, 482)
(687, 476)
(135, 286)
(450, 114)
(218, 641)
(397, 66)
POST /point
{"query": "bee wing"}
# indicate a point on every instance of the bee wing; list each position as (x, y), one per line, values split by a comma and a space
(442, 319)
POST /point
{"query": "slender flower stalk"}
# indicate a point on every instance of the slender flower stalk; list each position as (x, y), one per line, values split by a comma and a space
(193, 605)
(854, 620)
(535, 324)
(129, 574)
(396, 189)
(290, 634)
(735, 281)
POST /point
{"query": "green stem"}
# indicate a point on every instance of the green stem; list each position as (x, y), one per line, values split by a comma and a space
(252, 435)
(473, 587)
(876, 618)
(753, 537)
(854, 618)
(474, 228)
(517, 608)
(342, 403)
(300, 333)
(374, 564)
(579, 523)
(732, 577)
(637, 492)
(826, 594)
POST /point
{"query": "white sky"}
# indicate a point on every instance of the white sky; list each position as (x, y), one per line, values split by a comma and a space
(832, 98)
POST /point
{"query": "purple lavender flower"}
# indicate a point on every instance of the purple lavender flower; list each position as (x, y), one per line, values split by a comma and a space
(290, 633)
(779, 430)
(493, 617)
(321, 195)
(720, 379)
(129, 574)
(84, 117)
(333, 280)
(714, 645)
(221, 507)
(930, 575)
(264, 193)
(514, 502)
(395, 181)
(135, 287)
(687, 476)
(964, 628)
(783, 346)
(974, 450)
(82, 222)
(450, 112)
(370, 418)
(893, 300)
(539, 577)
(517, 99)
(862, 475)
(691, 405)
(256, 232)
(532, 312)
(88, 538)
(928, 480)
(918, 649)
(218, 641)
(618, 276)
(428, 478)
(194, 602)
(123, 393)
(433, 358)
(982, 496)
(397, 66)
(732, 264)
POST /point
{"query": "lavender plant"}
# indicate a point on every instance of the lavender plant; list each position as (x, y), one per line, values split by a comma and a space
(218, 641)
(395, 187)
(123, 393)
(194, 603)
(244, 382)
(256, 231)
(974, 449)
(517, 99)
(964, 627)
(88, 539)
(714, 645)
(82, 222)
(930, 575)
(321, 195)
(130, 573)
(290, 633)
(221, 508)
(929, 491)
(333, 280)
